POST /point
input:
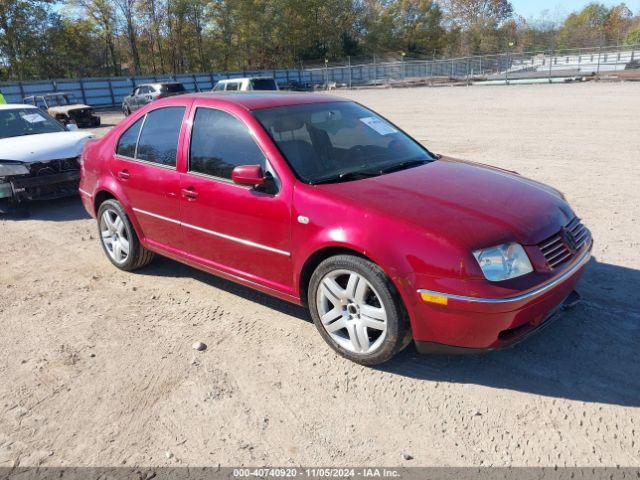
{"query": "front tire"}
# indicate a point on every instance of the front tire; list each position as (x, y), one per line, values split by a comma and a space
(118, 238)
(357, 310)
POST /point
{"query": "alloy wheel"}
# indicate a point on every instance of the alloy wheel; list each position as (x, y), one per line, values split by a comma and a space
(351, 311)
(114, 236)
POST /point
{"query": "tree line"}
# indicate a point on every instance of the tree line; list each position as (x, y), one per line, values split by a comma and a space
(83, 38)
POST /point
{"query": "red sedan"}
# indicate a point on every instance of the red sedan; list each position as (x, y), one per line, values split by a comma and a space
(322, 202)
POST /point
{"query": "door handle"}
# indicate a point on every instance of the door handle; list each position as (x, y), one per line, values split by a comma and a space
(189, 193)
(124, 174)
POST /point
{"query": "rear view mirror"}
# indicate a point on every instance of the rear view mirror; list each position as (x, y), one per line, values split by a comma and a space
(250, 175)
(72, 127)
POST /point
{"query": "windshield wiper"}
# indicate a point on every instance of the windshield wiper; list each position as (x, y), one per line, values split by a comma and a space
(402, 166)
(346, 176)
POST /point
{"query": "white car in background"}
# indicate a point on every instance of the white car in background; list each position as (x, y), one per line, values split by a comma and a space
(246, 84)
(39, 157)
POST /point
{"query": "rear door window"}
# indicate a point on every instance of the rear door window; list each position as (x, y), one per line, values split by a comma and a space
(220, 142)
(159, 137)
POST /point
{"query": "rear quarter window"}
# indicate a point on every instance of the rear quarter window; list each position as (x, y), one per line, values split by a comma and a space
(263, 84)
(173, 88)
(127, 142)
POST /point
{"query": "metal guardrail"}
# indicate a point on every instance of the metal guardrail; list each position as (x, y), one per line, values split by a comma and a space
(109, 92)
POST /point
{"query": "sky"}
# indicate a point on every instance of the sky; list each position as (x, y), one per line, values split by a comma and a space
(533, 8)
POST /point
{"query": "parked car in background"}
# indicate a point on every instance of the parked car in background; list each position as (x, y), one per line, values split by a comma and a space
(246, 84)
(633, 65)
(144, 94)
(296, 86)
(65, 108)
(38, 156)
(322, 202)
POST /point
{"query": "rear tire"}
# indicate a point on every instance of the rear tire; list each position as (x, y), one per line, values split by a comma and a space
(357, 310)
(118, 238)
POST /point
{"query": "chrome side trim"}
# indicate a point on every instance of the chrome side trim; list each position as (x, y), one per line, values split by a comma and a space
(155, 215)
(145, 162)
(242, 241)
(541, 289)
(85, 193)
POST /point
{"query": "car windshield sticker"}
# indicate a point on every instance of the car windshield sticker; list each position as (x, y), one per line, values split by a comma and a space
(33, 117)
(380, 126)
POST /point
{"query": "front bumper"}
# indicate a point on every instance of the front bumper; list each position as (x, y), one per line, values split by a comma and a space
(87, 122)
(492, 323)
(44, 187)
(509, 337)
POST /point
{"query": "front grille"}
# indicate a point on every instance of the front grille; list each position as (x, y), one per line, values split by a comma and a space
(53, 167)
(564, 245)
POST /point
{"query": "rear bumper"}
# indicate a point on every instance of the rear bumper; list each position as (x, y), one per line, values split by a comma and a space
(482, 324)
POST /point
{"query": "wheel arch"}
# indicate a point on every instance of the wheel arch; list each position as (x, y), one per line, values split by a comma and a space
(104, 193)
(399, 280)
(100, 197)
(315, 259)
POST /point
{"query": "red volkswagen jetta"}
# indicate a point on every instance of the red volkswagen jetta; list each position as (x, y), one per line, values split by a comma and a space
(322, 202)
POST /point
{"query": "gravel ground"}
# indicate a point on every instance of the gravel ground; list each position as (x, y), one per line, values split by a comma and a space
(98, 367)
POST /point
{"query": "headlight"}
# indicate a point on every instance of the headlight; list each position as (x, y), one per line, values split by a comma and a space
(503, 262)
(10, 168)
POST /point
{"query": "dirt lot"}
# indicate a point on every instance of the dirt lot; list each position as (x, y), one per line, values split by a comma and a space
(98, 367)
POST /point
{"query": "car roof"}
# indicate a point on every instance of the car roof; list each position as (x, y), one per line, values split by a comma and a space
(256, 100)
(13, 106)
(153, 84)
(242, 79)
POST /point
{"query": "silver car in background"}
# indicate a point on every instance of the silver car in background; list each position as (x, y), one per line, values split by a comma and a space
(148, 92)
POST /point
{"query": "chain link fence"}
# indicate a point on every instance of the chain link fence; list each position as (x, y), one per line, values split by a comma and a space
(509, 67)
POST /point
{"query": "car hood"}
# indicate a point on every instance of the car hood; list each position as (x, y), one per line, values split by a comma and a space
(43, 147)
(474, 205)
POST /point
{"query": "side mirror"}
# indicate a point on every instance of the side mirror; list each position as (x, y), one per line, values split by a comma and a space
(250, 175)
(72, 127)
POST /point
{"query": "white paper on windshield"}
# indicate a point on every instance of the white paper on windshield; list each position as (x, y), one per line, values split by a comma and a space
(34, 118)
(380, 126)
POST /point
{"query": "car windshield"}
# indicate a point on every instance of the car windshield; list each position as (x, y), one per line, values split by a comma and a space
(263, 84)
(26, 121)
(172, 88)
(339, 141)
(61, 100)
